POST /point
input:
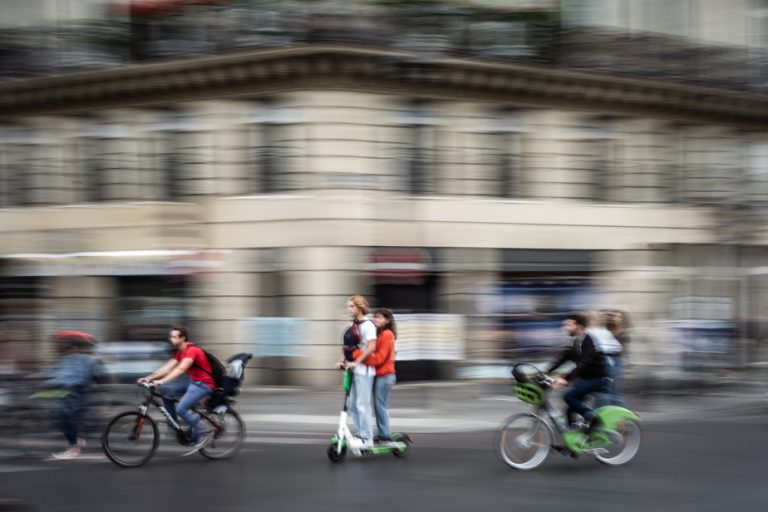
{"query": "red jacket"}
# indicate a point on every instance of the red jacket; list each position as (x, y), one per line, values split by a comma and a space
(383, 358)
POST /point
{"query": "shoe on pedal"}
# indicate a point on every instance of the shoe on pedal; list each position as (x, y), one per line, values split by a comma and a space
(205, 439)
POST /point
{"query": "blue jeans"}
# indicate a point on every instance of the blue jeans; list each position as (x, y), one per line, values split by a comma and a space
(381, 388)
(194, 392)
(616, 370)
(574, 397)
(360, 404)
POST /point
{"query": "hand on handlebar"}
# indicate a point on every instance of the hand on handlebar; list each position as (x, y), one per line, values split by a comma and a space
(559, 383)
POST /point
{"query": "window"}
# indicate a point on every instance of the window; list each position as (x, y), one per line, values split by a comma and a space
(150, 305)
(271, 152)
(592, 162)
(418, 149)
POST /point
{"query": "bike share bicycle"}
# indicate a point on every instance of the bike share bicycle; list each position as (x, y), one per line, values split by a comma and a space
(132, 438)
(397, 445)
(524, 440)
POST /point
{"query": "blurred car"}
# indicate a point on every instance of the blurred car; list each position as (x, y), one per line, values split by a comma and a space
(128, 360)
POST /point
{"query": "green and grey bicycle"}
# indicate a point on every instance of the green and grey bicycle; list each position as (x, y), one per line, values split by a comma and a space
(524, 440)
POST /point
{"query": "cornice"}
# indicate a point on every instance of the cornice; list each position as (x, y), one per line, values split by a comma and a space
(260, 72)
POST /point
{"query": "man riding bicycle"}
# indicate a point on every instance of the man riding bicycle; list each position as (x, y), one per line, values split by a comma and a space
(197, 384)
(590, 374)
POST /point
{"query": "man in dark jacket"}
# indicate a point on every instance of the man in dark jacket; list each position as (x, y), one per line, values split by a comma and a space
(589, 375)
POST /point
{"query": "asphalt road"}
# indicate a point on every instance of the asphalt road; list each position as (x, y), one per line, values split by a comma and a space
(699, 464)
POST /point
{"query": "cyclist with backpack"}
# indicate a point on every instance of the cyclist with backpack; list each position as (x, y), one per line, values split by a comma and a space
(189, 375)
(359, 343)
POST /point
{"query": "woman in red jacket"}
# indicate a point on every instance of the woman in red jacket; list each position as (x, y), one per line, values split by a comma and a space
(383, 359)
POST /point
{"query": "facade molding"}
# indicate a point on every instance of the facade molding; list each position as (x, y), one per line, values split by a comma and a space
(263, 72)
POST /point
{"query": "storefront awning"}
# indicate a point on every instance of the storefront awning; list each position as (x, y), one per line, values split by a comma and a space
(112, 263)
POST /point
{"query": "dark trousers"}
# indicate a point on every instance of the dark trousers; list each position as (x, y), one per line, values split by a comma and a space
(66, 415)
(574, 397)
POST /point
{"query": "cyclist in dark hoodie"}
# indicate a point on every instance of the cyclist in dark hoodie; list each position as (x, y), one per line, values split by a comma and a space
(589, 375)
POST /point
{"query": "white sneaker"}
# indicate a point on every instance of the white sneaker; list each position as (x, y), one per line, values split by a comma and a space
(69, 454)
(205, 439)
(357, 443)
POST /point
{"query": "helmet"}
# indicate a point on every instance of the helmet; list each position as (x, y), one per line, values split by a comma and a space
(74, 339)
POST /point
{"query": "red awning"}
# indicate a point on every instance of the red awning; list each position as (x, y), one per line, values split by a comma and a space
(155, 7)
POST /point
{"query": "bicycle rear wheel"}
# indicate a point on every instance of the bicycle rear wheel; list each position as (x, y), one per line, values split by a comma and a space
(130, 439)
(625, 448)
(523, 441)
(228, 435)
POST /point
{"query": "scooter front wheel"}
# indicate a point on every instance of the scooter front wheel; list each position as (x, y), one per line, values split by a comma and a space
(406, 441)
(334, 454)
(523, 441)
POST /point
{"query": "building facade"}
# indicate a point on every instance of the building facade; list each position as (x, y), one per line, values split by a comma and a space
(480, 198)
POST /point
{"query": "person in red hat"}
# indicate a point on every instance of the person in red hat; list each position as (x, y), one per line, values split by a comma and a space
(73, 375)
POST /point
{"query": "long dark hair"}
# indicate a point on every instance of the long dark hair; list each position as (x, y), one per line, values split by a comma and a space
(386, 313)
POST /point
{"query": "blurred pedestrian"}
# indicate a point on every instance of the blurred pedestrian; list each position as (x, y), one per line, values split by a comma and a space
(617, 321)
(383, 360)
(187, 376)
(76, 370)
(607, 344)
(359, 344)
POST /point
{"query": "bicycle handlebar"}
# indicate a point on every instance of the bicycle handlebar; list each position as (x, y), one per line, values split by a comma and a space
(539, 378)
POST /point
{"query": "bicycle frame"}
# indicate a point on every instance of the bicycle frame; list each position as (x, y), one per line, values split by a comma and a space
(151, 399)
(577, 441)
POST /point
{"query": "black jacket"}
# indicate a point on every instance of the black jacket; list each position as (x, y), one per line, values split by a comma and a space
(590, 364)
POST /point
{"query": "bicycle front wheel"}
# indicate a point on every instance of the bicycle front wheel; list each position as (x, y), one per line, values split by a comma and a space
(523, 441)
(228, 435)
(130, 439)
(624, 448)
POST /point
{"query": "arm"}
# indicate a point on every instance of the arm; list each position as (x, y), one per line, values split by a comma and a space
(179, 370)
(370, 348)
(383, 349)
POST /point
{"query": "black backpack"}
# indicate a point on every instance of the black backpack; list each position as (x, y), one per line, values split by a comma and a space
(218, 372)
(352, 338)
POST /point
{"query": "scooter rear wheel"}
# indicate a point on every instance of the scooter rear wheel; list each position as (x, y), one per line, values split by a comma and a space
(334, 455)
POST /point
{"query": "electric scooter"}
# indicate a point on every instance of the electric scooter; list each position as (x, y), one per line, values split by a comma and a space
(397, 445)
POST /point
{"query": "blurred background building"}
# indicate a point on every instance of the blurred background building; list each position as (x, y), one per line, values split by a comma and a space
(479, 166)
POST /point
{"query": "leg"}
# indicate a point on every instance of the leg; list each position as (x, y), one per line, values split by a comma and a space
(382, 387)
(364, 385)
(574, 397)
(171, 392)
(64, 418)
(618, 373)
(352, 405)
(195, 392)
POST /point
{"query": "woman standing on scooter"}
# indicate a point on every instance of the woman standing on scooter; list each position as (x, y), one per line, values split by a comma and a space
(383, 359)
(359, 344)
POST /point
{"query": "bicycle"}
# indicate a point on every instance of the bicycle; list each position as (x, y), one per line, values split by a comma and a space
(132, 438)
(523, 441)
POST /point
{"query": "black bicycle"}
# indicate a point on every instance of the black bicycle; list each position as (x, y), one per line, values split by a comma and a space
(132, 438)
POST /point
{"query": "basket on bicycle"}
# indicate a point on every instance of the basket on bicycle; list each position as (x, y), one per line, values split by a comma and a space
(529, 393)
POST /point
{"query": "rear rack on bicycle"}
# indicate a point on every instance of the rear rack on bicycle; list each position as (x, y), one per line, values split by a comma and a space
(529, 393)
